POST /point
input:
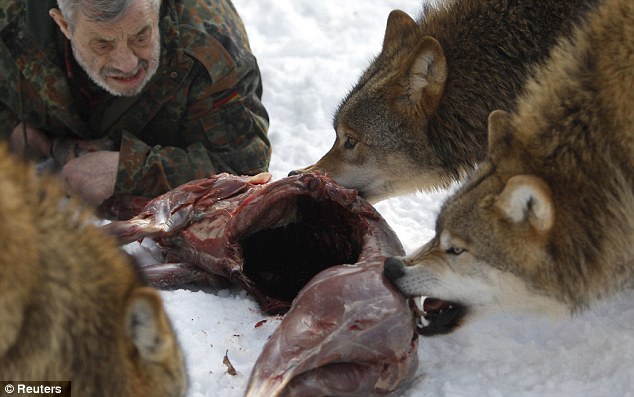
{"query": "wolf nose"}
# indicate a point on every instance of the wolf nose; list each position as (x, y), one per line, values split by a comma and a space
(393, 268)
(294, 172)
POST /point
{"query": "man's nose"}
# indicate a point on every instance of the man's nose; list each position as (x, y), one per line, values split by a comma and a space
(124, 59)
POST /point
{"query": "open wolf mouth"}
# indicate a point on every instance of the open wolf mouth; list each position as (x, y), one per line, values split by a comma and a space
(436, 316)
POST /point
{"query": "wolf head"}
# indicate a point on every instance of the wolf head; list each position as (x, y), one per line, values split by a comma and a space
(416, 119)
(380, 148)
(493, 244)
(528, 231)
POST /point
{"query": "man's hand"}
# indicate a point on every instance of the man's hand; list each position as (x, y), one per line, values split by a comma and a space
(92, 176)
(30, 142)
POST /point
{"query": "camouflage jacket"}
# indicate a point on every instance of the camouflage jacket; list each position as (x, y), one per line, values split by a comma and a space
(201, 113)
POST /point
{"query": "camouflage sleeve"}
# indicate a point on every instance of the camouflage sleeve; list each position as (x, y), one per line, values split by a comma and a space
(8, 121)
(223, 131)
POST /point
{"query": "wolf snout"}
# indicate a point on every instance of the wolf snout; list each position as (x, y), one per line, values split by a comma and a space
(314, 168)
(393, 268)
(305, 170)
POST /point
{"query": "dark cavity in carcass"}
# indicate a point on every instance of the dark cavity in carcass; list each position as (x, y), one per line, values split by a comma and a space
(321, 234)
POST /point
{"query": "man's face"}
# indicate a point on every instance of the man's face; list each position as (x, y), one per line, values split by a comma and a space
(120, 56)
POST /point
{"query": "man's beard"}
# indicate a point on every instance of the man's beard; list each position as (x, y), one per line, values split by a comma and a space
(100, 77)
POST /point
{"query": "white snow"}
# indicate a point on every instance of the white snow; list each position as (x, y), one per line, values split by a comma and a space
(310, 53)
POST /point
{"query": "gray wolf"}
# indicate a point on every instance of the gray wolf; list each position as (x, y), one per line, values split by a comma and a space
(73, 307)
(546, 223)
(416, 119)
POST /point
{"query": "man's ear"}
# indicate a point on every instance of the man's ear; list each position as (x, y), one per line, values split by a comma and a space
(527, 199)
(398, 22)
(57, 16)
(425, 77)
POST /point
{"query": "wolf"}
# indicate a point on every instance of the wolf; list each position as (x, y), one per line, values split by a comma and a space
(73, 306)
(416, 119)
(546, 223)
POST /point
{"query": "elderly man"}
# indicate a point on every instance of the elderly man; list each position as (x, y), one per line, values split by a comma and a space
(131, 96)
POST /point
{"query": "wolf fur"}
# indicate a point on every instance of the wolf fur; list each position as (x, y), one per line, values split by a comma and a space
(416, 119)
(73, 307)
(547, 222)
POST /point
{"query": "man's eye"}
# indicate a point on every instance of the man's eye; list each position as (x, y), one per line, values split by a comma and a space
(142, 40)
(350, 142)
(455, 250)
(102, 48)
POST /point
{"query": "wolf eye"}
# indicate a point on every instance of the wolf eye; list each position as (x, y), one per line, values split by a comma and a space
(350, 142)
(455, 250)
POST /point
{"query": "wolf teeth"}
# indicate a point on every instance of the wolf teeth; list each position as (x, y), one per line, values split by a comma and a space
(421, 321)
(419, 301)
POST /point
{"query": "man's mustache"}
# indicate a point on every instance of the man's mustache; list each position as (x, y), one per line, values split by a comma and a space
(117, 73)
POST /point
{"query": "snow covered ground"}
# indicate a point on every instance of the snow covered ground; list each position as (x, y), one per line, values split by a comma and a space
(310, 53)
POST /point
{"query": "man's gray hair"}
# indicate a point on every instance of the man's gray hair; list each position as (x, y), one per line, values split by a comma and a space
(98, 10)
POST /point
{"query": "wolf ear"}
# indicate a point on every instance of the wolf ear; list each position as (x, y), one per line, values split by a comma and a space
(426, 76)
(147, 325)
(500, 129)
(398, 22)
(527, 198)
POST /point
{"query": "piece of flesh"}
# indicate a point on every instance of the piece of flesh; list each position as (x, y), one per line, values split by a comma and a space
(270, 238)
(349, 332)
